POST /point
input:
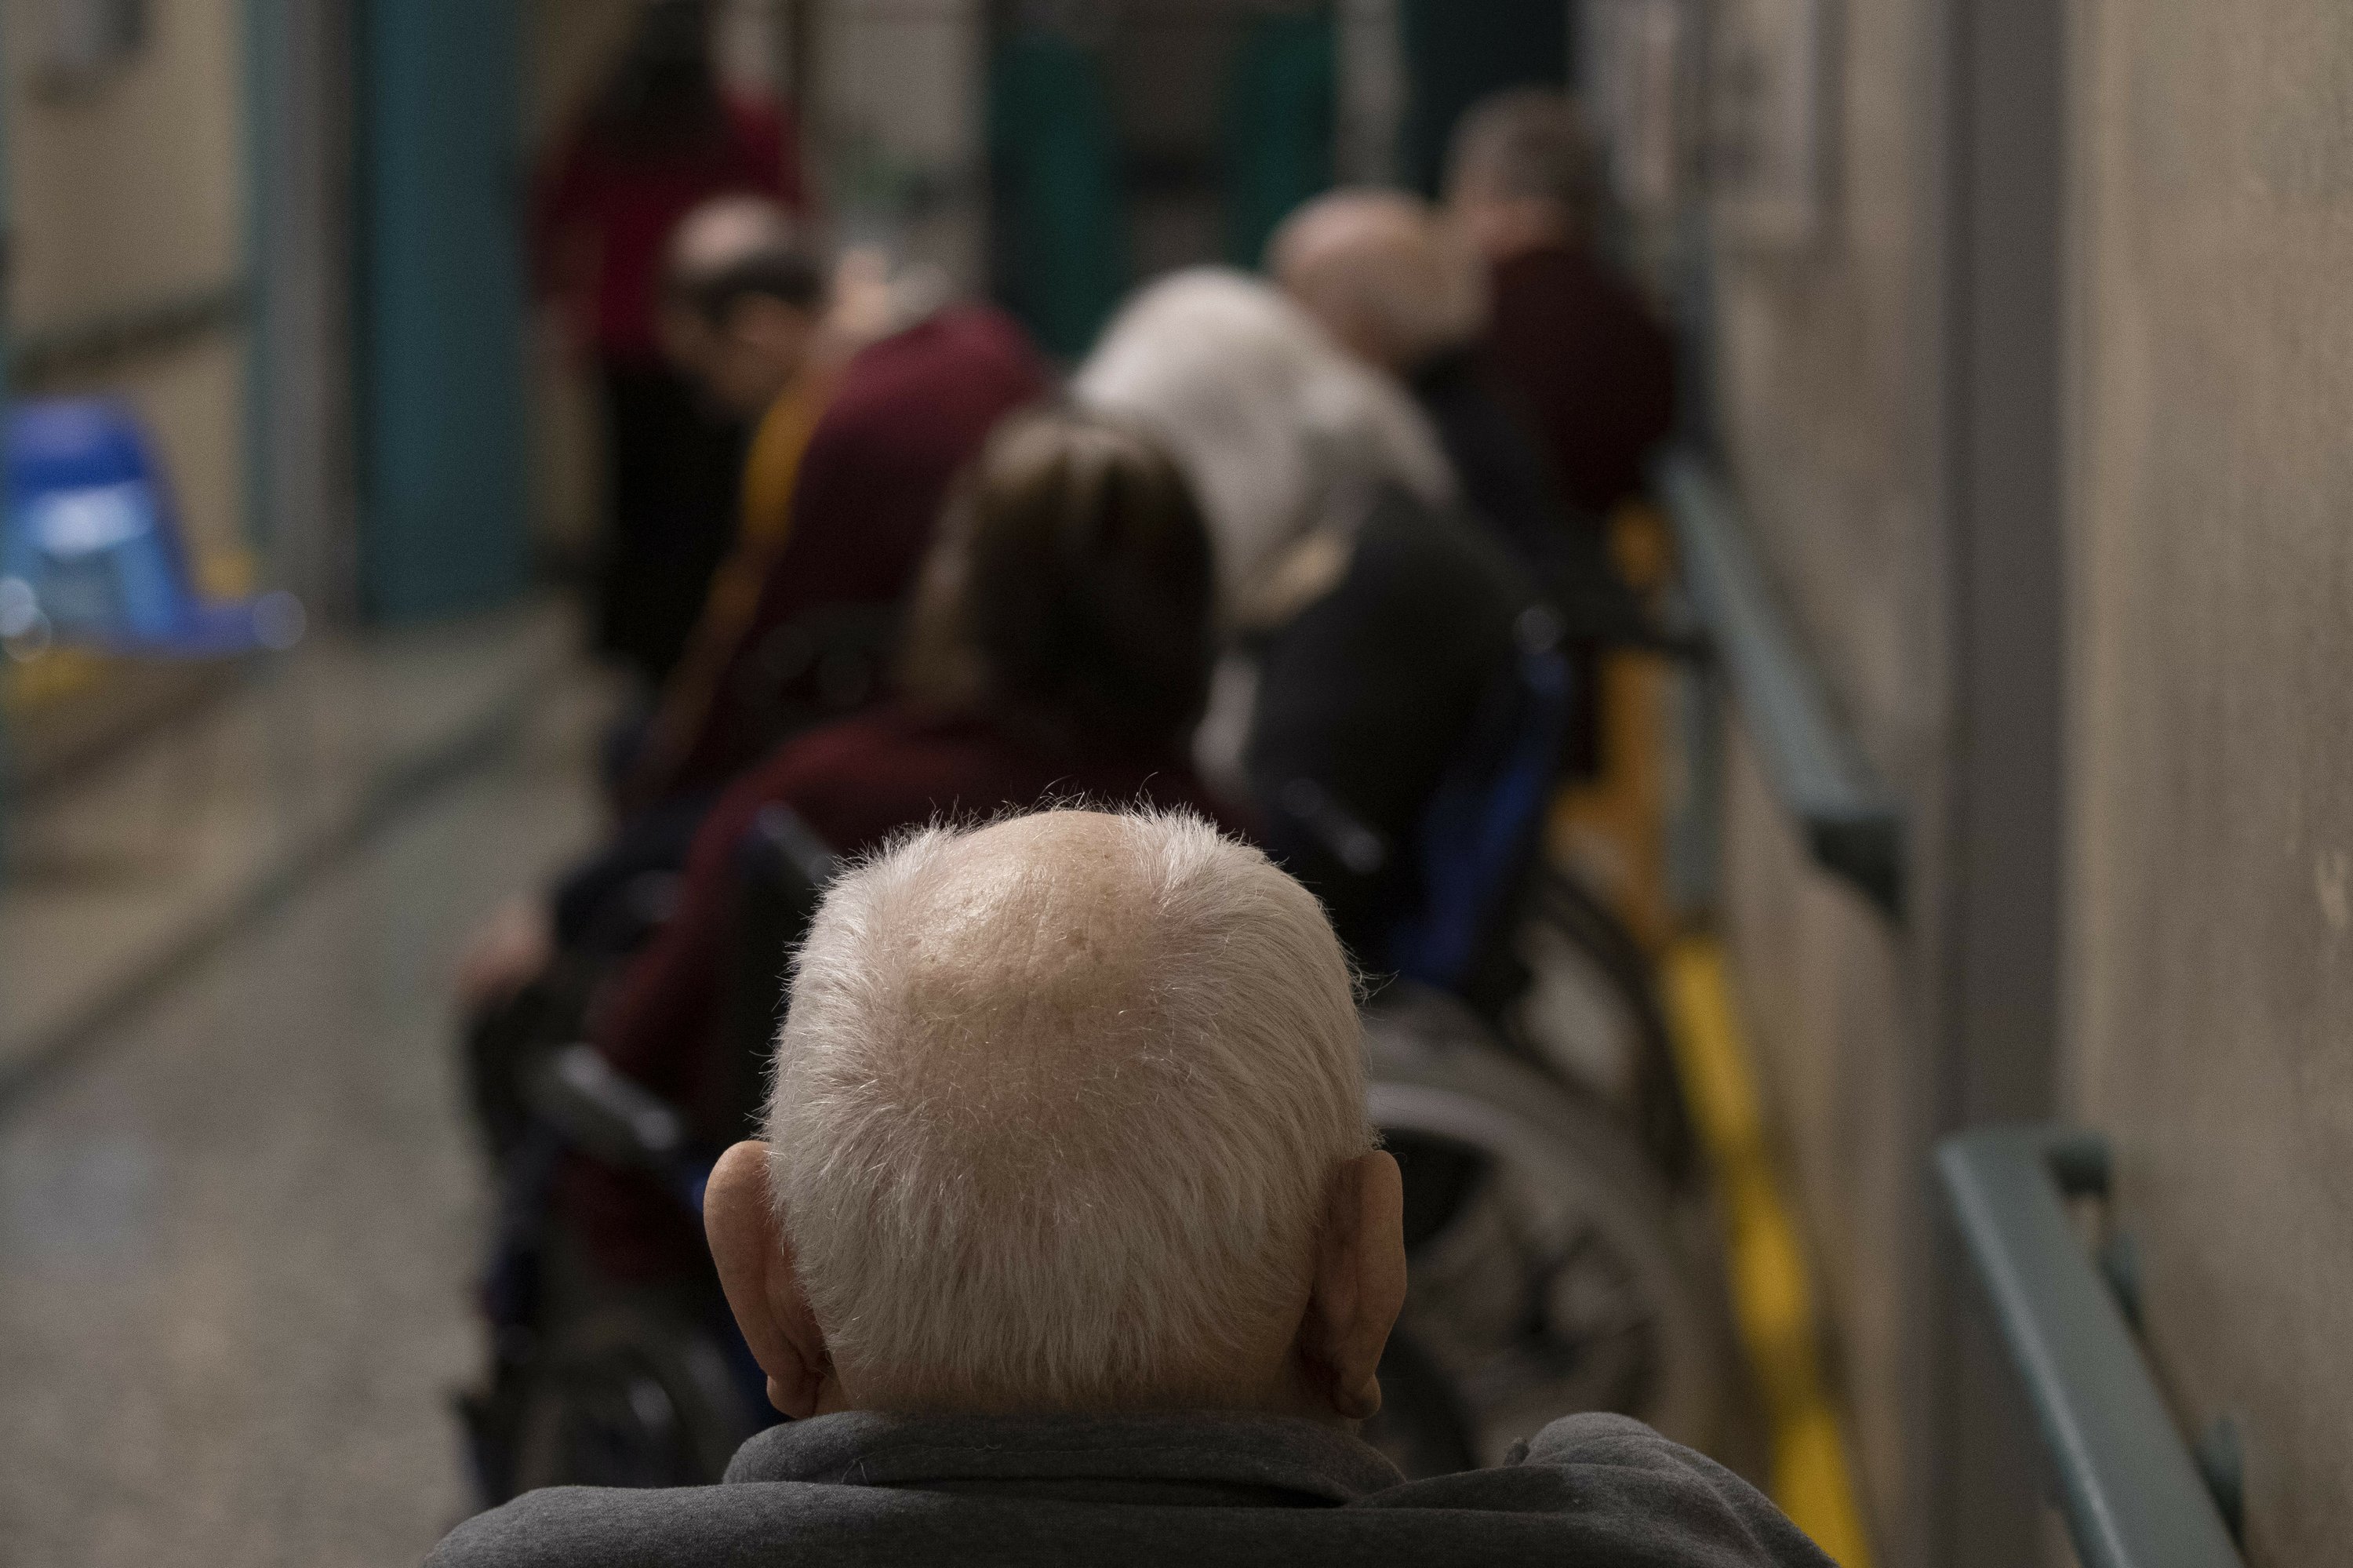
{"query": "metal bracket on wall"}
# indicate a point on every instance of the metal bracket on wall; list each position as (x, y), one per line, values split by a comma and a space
(2131, 1494)
(1853, 821)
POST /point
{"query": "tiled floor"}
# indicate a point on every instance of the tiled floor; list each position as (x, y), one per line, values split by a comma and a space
(237, 1229)
(112, 876)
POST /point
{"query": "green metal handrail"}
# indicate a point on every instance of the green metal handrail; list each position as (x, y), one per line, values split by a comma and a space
(1853, 821)
(2132, 1496)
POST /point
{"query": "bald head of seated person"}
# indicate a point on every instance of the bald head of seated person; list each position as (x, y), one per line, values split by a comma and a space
(1403, 290)
(1069, 1240)
(1391, 283)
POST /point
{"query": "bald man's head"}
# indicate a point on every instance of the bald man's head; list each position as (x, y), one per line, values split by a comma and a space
(1058, 1111)
(1383, 274)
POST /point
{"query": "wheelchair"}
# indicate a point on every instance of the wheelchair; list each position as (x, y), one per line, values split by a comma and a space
(589, 1384)
(1558, 1262)
(1555, 1265)
(1557, 979)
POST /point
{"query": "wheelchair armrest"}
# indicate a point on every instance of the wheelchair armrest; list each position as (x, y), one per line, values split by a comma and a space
(577, 1092)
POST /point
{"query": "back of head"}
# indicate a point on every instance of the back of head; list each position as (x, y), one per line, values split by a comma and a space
(1383, 274)
(1072, 585)
(716, 234)
(733, 247)
(1268, 418)
(1056, 1109)
(1528, 145)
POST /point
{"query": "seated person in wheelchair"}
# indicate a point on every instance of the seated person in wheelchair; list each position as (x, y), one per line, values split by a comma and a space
(1069, 1240)
(1400, 288)
(1058, 647)
(1375, 631)
(868, 397)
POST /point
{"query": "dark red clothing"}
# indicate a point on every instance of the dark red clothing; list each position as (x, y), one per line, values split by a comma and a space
(908, 414)
(601, 216)
(1592, 368)
(854, 783)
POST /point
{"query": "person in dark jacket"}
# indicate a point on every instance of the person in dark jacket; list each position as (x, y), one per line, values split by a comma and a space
(1368, 618)
(1069, 1240)
(1059, 649)
(1589, 360)
(1397, 286)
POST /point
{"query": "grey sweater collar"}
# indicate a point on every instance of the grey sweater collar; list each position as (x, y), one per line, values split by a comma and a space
(1204, 1457)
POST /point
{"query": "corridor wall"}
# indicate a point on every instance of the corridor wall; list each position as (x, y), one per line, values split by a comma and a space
(1885, 368)
(443, 450)
(2212, 955)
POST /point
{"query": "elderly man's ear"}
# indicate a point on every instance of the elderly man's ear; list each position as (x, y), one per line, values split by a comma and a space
(1358, 1289)
(756, 1269)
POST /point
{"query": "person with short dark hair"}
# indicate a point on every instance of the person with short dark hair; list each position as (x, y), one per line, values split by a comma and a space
(1589, 360)
(1059, 647)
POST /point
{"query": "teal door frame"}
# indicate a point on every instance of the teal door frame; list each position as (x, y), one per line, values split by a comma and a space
(441, 310)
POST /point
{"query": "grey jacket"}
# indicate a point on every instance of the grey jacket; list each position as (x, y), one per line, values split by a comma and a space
(1594, 1491)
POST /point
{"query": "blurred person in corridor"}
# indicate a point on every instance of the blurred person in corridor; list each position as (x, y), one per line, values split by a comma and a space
(869, 396)
(1591, 364)
(1058, 647)
(660, 136)
(1367, 618)
(1397, 286)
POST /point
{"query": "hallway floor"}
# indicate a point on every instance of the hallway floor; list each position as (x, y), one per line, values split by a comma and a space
(238, 1229)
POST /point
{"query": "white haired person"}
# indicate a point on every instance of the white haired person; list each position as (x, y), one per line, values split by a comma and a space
(1402, 288)
(1069, 1243)
(1372, 622)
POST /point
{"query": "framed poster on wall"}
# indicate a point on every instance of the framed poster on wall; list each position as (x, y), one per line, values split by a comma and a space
(1771, 70)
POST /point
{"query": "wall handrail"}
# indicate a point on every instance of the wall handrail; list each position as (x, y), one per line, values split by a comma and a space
(2132, 1496)
(1853, 821)
(92, 344)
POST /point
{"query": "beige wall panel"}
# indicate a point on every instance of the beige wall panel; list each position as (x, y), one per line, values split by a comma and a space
(1819, 975)
(2212, 916)
(133, 189)
(899, 90)
(1825, 375)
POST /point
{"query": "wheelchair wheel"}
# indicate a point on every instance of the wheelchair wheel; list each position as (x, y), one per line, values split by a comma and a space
(1589, 1014)
(630, 1398)
(1551, 1271)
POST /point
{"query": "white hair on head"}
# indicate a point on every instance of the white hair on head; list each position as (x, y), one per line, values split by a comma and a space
(1055, 1111)
(1278, 429)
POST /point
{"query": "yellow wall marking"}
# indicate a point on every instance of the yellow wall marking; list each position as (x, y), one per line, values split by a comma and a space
(1772, 1299)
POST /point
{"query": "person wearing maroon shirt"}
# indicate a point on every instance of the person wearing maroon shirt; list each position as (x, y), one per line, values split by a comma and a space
(660, 138)
(905, 414)
(1591, 364)
(901, 418)
(1059, 649)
